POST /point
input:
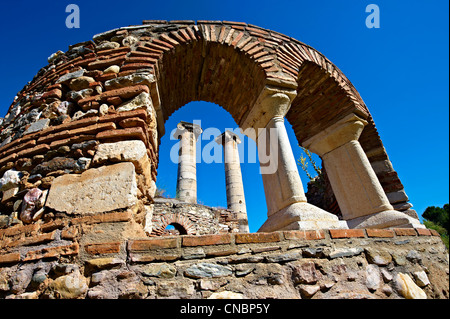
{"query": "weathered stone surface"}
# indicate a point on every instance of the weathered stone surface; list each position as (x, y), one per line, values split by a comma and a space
(116, 284)
(80, 83)
(307, 291)
(103, 263)
(421, 278)
(378, 257)
(159, 270)
(69, 76)
(125, 151)
(31, 202)
(406, 287)
(10, 179)
(414, 256)
(176, 289)
(129, 80)
(107, 45)
(94, 191)
(37, 126)
(305, 274)
(373, 277)
(70, 286)
(226, 295)
(207, 270)
(143, 100)
(345, 252)
(112, 69)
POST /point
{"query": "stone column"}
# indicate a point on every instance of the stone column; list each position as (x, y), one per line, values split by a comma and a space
(233, 178)
(361, 198)
(287, 207)
(187, 169)
(285, 197)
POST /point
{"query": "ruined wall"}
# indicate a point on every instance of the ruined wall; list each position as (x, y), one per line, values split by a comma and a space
(79, 157)
(347, 264)
(193, 219)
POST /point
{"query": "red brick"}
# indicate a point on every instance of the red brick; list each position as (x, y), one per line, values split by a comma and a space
(40, 239)
(379, 233)
(40, 149)
(132, 132)
(136, 66)
(141, 113)
(346, 233)
(18, 148)
(206, 240)
(52, 252)
(55, 224)
(141, 59)
(55, 93)
(19, 229)
(133, 122)
(304, 234)
(434, 233)
(69, 233)
(9, 258)
(405, 231)
(92, 129)
(126, 93)
(236, 40)
(71, 125)
(9, 158)
(155, 56)
(85, 62)
(152, 243)
(423, 232)
(162, 44)
(113, 51)
(243, 238)
(102, 218)
(106, 77)
(103, 248)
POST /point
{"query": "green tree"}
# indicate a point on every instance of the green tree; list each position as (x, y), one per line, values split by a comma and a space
(437, 218)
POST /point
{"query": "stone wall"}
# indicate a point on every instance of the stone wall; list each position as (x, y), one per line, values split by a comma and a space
(347, 264)
(119, 86)
(191, 219)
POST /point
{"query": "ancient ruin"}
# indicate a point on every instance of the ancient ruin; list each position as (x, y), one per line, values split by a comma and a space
(79, 158)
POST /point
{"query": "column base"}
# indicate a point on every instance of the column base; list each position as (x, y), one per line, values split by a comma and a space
(386, 219)
(302, 216)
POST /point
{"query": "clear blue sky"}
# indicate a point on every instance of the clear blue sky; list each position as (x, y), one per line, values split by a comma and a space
(401, 71)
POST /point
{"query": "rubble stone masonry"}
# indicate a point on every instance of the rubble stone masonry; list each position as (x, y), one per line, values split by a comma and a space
(78, 164)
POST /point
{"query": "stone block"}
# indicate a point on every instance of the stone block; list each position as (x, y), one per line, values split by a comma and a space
(406, 287)
(96, 190)
(218, 239)
(397, 197)
(124, 151)
(207, 270)
(37, 126)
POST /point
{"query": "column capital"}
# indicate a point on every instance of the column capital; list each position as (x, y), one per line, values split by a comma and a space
(227, 136)
(189, 127)
(272, 101)
(345, 130)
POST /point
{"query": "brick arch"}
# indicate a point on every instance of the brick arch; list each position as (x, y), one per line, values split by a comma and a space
(179, 220)
(228, 63)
